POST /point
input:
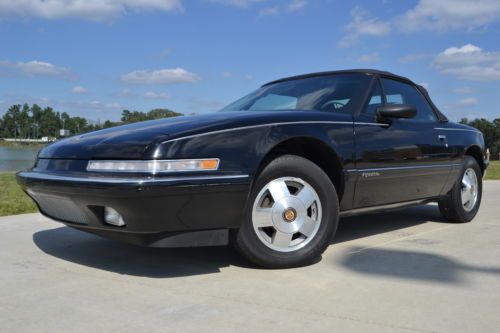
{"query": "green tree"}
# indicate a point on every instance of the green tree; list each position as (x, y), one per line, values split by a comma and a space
(135, 116)
(491, 133)
(10, 121)
(23, 121)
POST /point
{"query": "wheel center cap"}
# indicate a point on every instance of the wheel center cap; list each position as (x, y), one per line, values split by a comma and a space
(289, 215)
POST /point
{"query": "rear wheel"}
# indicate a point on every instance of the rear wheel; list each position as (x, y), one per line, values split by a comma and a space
(461, 204)
(291, 215)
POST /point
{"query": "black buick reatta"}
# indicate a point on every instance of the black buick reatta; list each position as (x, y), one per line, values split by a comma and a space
(271, 173)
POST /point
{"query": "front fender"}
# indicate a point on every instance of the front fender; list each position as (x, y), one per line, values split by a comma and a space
(242, 150)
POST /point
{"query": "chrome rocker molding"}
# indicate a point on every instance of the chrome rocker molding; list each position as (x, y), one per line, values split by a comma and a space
(110, 180)
(405, 167)
(381, 208)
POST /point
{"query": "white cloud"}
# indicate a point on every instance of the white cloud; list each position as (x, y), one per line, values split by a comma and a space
(88, 9)
(154, 95)
(296, 5)
(363, 25)
(227, 74)
(468, 48)
(39, 68)
(450, 14)
(469, 101)
(160, 76)
(469, 62)
(236, 3)
(369, 58)
(79, 90)
(292, 6)
(273, 8)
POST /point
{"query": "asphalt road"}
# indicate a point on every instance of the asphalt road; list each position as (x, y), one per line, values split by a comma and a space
(391, 272)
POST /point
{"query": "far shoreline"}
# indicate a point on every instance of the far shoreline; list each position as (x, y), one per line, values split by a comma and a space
(10, 144)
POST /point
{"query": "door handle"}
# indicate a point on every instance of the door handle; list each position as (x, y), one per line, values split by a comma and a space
(443, 139)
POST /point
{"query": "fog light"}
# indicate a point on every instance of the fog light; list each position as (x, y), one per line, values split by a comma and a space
(112, 217)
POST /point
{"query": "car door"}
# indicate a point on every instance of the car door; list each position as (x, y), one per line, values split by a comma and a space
(398, 160)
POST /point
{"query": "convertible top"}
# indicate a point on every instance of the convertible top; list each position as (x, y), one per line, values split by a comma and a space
(440, 115)
(346, 71)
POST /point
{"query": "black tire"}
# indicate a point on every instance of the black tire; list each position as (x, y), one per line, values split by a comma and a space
(451, 206)
(253, 248)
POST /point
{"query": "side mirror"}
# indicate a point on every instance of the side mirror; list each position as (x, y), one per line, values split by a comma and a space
(396, 111)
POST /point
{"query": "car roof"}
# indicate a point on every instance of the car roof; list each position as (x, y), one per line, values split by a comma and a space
(422, 89)
(346, 71)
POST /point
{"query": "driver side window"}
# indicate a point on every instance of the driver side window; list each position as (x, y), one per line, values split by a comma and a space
(397, 92)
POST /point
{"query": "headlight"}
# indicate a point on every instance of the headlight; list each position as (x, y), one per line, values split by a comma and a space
(154, 166)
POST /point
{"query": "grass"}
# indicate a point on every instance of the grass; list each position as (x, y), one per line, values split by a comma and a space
(12, 199)
(493, 172)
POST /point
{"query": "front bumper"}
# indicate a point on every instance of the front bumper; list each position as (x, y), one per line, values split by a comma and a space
(152, 207)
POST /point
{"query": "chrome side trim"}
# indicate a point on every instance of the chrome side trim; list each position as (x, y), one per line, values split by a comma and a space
(273, 124)
(455, 129)
(363, 210)
(109, 180)
(370, 124)
(404, 167)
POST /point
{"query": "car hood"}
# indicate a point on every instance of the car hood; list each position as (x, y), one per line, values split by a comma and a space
(132, 141)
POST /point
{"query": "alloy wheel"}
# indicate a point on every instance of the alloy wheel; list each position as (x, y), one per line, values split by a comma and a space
(286, 214)
(469, 189)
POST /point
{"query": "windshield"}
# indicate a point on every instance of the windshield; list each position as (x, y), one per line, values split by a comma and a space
(335, 93)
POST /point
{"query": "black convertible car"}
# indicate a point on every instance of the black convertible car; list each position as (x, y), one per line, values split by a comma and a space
(272, 172)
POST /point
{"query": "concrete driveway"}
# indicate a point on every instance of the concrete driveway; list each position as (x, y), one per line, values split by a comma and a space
(398, 271)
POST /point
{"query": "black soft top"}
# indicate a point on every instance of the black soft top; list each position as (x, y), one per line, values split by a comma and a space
(440, 115)
(346, 71)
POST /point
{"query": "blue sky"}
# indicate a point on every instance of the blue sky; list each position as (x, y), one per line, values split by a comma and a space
(94, 58)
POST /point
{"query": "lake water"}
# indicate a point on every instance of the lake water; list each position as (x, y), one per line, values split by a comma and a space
(15, 159)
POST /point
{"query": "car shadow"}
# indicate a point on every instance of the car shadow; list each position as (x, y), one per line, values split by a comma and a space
(410, 265)
(397, 263)
(93, 251)
(366, 225)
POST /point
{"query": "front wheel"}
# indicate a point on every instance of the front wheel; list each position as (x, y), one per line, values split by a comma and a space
(462, 202)
(291, 215)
